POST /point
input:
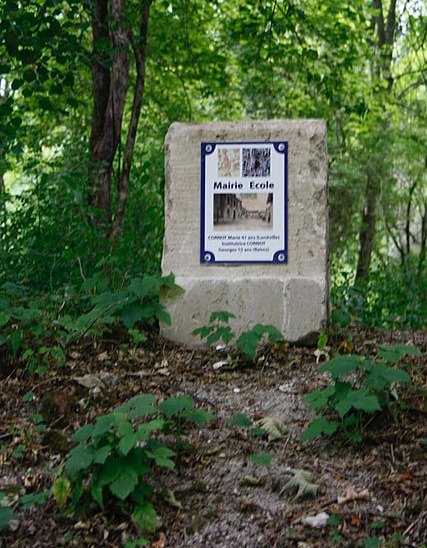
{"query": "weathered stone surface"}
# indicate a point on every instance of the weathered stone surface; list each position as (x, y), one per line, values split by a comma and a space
(293, 296)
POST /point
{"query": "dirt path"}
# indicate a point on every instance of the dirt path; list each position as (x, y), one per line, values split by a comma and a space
(224, 500)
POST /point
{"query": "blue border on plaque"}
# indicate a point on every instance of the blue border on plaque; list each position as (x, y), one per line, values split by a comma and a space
(206, 256)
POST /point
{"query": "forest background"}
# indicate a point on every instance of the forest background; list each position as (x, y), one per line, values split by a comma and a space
(88, 89)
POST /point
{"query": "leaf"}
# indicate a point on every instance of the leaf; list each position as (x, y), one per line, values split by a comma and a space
(4, 318)
(138, 406)
(341, 365)
(126, 482)
(161, 457)
(109, 471)
(239, 419)
(318, 427)
(301, 483)
(101, 454)
(274, 428)
(80, 458)
(396, 352)
(199, 416)
(6, 515)
(397, 375)
(128, 442)
(83, 433)
(273, 334)
(61, 490)
(16, 340)
(221, 316)
(319, 398)
(145, 517)
(176, 405)
(248, 344)
(262, 459)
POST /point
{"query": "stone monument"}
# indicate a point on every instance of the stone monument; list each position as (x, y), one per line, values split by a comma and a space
(246, 231)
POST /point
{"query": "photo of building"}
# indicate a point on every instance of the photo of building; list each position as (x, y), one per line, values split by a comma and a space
(243, 211)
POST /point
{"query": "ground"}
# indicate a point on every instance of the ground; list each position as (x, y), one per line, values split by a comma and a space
(223, 499)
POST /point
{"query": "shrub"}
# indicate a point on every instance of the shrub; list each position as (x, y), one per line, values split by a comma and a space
(361, 387)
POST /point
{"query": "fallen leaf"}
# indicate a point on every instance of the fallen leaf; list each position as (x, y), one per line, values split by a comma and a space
(407, 475)
(355, 520)
(161, 542)
(171, 499)
(90, 381)
(274, 428)
(351, 495)
(301, 482)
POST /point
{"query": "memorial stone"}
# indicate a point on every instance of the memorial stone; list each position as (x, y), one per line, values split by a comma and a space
(247, 226)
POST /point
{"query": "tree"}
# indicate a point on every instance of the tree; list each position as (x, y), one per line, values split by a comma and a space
(113, 39)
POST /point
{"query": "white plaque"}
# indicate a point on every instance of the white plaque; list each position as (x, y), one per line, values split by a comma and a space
(244, 202)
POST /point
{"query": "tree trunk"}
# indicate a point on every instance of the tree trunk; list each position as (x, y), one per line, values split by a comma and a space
(384, 45)
(110, 87)
(367, 231)
(140, 52)
(109, 94)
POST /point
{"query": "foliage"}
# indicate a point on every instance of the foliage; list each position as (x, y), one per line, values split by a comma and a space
(116, 457)
(36, 328)
(138, 302)
(361, 387)
(394, 296)
(6, 513)
(247, 342)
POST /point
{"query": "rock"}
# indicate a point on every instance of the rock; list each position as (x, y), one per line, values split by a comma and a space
(318, 521)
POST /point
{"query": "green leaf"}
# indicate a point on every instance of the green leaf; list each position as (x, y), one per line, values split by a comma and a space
(199, 416)
(176, 405)
(319, 398)
(126, 482)
(16, 340)
(318, 427)
(142, 493)
(396, 352)
(80, 458)
(6, 515)
(28, 396)
(4, 318)
(239, 419)
(397, 375)
(83, 433)
(146, 428)
(61, 490)
(101, 454)
(145, 517)
(341, 365)
(221, 316)
(128, 442)
(262, 459)
(161, 457)
(248, 343)
(109, 471)
(273, 334)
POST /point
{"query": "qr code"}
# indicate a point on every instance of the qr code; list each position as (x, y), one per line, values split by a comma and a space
(256, 162)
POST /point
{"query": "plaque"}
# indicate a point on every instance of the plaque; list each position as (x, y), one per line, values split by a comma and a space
(244, 202)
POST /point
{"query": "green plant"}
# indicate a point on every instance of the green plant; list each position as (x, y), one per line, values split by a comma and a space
(138, 302)
(116, 456)
(247, 342)
(6, 512)
(361, 387)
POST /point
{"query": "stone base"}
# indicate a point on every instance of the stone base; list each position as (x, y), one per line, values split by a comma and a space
(297, 306)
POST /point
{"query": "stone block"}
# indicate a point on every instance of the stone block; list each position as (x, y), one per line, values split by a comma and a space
(294, 296)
